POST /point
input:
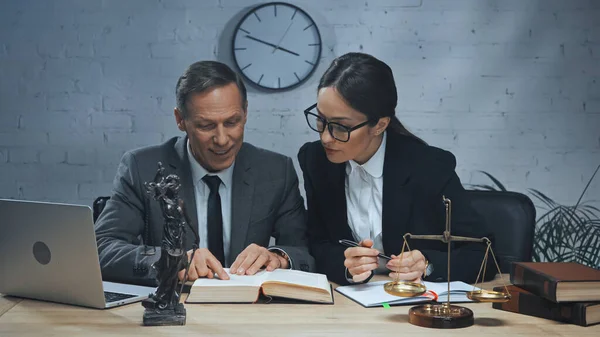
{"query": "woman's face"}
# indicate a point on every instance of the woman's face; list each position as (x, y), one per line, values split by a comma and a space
(363, 142)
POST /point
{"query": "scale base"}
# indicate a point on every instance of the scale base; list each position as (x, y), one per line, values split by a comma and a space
(441, 316)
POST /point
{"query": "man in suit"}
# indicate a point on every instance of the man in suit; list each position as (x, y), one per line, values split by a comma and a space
(236, 195)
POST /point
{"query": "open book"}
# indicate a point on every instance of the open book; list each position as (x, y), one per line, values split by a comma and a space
(284, 283)
(372, 294)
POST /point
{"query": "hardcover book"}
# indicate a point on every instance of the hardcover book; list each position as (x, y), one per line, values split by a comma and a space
(280, 283)
(557, 281)
(526, 303)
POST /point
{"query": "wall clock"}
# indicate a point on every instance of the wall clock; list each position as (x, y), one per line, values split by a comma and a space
(276, 46)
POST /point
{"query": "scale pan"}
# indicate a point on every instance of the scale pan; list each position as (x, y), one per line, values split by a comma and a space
(488, 296)
(404, 288)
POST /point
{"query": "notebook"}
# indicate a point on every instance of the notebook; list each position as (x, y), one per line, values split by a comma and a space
(48, 252)
(372, 294)
(280, 283)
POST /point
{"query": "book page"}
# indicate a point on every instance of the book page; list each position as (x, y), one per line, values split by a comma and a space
(298, 278)
(234, 280)
(372, 294)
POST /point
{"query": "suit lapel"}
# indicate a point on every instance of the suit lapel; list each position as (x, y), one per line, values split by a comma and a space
(180, 163)
(397, 196)
(335, 197)
(242, 192)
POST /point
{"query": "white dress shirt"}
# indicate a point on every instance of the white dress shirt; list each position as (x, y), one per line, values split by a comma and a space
(364, 195)
(201, 192)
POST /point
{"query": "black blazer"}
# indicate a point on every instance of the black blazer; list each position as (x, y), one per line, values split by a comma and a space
(415, 176)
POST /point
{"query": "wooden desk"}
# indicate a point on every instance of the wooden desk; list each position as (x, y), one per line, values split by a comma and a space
(22, 317)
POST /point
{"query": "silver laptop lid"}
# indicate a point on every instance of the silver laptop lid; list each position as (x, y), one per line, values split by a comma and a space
(48, 251)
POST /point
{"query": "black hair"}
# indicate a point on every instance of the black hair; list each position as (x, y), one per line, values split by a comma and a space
(206, 75)
(367, 85)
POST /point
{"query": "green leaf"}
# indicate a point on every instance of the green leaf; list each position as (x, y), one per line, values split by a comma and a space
(571, 215)
(481, 187)
(496, 181)
(588, 185)
(541, 196)
(592, 208)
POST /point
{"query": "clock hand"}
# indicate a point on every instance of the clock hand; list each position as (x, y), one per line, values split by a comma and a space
(261, 41)
(284, 34)
(271, 45)
(287, 50)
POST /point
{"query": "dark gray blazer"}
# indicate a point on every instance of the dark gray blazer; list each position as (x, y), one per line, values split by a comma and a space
(265, 202)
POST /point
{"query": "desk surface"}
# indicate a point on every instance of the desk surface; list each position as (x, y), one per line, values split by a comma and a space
(24, 317)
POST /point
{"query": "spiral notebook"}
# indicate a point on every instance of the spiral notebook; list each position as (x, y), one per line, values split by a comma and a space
(372, 294)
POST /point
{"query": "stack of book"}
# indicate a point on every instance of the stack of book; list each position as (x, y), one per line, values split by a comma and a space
(561, 291)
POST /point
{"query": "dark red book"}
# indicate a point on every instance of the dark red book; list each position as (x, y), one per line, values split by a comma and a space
(526, 303)
(557, 281)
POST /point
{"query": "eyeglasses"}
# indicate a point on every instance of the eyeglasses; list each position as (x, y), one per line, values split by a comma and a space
(337, 131)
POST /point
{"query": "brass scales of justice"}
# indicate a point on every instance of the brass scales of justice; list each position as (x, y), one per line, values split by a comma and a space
(445, 315)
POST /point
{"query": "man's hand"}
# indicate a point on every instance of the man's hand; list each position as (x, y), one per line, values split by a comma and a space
(204, 264)
(360, 261)
(410, 268)
(254, 257)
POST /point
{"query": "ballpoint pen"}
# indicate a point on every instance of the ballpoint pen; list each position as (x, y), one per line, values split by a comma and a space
(349, 243)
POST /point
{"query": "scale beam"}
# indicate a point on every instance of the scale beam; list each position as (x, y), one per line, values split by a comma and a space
(446, 238)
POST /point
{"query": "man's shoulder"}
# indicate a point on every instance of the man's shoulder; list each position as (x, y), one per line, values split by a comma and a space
(259, 155)
(154, 151)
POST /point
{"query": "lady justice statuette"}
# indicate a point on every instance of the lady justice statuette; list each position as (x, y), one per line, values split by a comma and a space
(163, 307)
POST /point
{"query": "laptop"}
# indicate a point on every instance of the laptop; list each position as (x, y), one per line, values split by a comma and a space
(48, 252)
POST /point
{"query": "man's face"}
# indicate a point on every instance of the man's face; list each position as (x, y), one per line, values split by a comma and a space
(214, 124)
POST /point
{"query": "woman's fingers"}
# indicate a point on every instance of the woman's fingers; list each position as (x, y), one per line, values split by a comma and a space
(357, 261)
(361, 269)
(414, 276)
(360, 251)
(361, 277)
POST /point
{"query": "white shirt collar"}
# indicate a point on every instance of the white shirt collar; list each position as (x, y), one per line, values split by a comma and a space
(373, 166)
(198, 172)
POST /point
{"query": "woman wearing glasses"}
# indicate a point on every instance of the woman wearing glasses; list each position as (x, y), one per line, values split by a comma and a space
(370, 180)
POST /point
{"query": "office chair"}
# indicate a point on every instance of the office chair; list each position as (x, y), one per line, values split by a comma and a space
(510, 216)
(98, 206)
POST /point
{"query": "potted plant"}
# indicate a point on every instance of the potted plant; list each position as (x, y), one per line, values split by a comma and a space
(563, 233)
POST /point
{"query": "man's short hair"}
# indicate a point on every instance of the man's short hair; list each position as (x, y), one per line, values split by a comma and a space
(206, 75)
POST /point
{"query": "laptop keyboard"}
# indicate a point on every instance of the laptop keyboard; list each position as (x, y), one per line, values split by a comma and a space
(113, 297)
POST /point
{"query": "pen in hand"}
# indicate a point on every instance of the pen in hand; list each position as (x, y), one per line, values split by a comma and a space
(349, 243)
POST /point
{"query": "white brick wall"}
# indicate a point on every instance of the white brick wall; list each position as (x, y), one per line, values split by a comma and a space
(511, 87)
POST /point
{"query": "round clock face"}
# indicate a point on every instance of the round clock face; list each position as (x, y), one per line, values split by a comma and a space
(276, 46)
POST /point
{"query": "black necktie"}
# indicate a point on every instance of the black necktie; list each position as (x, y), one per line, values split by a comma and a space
(214, 218)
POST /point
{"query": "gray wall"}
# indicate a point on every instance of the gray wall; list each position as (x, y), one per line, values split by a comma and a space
(511, 87)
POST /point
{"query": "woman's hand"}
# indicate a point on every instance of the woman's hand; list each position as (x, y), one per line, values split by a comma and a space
(410, 268)
(360, 261)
